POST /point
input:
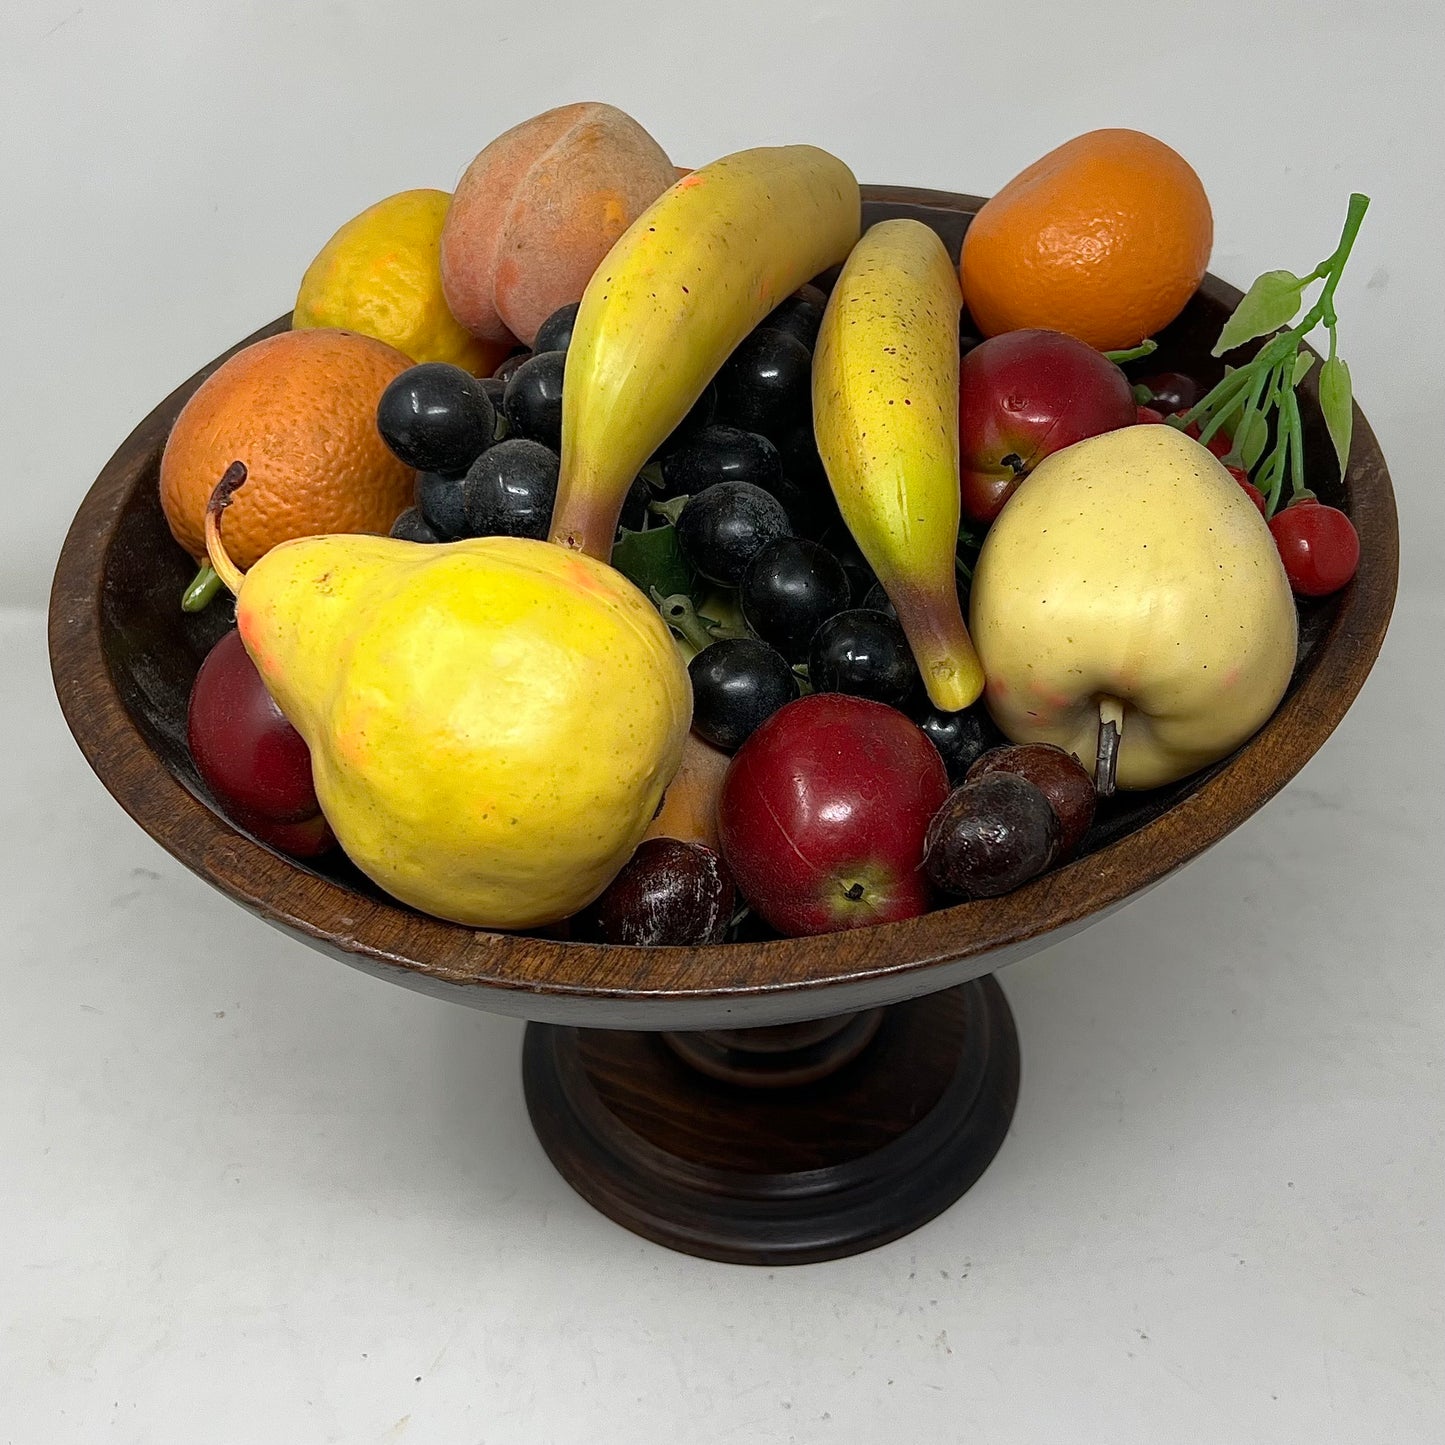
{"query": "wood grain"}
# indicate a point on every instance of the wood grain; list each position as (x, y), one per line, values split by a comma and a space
(123, 657)
(819, 1170)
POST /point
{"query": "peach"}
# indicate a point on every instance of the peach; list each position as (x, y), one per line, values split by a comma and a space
(538, 209)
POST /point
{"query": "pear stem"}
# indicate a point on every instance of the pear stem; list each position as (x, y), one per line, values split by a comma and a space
(1111, 725)
(233, 480)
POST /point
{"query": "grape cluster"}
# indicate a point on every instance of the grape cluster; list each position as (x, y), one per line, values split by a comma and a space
(740, 480)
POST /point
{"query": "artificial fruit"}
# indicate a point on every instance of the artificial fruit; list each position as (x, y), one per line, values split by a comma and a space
(492, 722)
(1023, 396)
(688, 280)
(823, 815)
(885, 411)
(1130, 584)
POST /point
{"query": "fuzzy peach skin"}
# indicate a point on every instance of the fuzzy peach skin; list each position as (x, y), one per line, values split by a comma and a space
(538, 209)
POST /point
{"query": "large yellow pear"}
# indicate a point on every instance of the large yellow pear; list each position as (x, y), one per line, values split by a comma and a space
(1130, 575)
(492, 722)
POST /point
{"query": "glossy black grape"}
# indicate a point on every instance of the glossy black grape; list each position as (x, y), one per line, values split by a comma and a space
(555, 333)
(799, 451)
(495, 391)
(411, 526)
(635, 504)
(863, 653)
(699, 417)
(789, 590)
(877, 601)
(799, 317)
(511, 489)
(439, 499)
(737, 685)
(861, 577)
(722, 529)
(509, 366)
(877, 596)
(720, 454)
(991, 836)
(436, 418)
(766, 384)
(810, 502)
(960, 737)
(533, 399)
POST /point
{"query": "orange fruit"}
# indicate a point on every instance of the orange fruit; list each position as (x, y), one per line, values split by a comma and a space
(299, 409)
(1105, 238)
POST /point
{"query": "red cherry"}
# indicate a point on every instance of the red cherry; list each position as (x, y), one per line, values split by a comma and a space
(1255, 495)
(1219, 443)
(255, 763)
(1318, 545)
(1147, 416)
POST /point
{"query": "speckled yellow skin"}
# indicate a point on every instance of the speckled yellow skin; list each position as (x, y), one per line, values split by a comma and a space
(885, 412)
(672, 299)
(1133, 566)
(492, 722)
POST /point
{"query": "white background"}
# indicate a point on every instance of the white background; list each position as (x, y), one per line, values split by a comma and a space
(249, 1196)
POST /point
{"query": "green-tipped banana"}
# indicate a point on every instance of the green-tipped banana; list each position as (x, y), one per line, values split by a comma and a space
(682, 286)
(885, 410)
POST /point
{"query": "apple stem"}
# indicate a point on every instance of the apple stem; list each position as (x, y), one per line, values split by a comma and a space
(233, 480)
(1106, 766)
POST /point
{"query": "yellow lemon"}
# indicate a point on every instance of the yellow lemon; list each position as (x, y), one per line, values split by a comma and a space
(380, 274)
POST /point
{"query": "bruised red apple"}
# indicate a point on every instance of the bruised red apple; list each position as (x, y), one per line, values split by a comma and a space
(824, 813)
(1024, 395)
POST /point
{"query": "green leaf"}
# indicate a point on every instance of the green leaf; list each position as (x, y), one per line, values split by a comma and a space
(653, 560)
(1251, 438)
(1273, 301)
(1336, 401)
(1302, 364)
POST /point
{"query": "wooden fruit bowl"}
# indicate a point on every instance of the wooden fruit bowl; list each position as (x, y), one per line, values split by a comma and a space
(766, 1102)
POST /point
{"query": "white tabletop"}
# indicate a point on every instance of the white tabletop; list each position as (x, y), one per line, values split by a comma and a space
(248, 1195)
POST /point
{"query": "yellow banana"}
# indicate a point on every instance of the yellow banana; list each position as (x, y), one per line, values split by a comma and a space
(885, 410)
(669, 303)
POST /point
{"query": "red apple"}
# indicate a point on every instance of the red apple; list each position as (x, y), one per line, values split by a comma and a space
(1023, 395)
(824, 814)
(255, 763)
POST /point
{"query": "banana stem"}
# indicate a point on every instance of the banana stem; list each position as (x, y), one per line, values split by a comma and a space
(233, 480)
(939, 640)
(587, 509)
(1111, 726)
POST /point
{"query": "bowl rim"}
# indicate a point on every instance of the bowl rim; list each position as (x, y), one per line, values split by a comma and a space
(693, 987)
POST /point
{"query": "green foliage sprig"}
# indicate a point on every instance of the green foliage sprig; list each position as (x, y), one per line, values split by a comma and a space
(1247, 397)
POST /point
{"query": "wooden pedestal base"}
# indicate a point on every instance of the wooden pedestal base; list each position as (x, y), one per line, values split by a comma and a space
(785, 1145)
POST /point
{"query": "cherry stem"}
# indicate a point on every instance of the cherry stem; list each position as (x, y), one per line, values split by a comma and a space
(1269, 378)
(231, 482)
